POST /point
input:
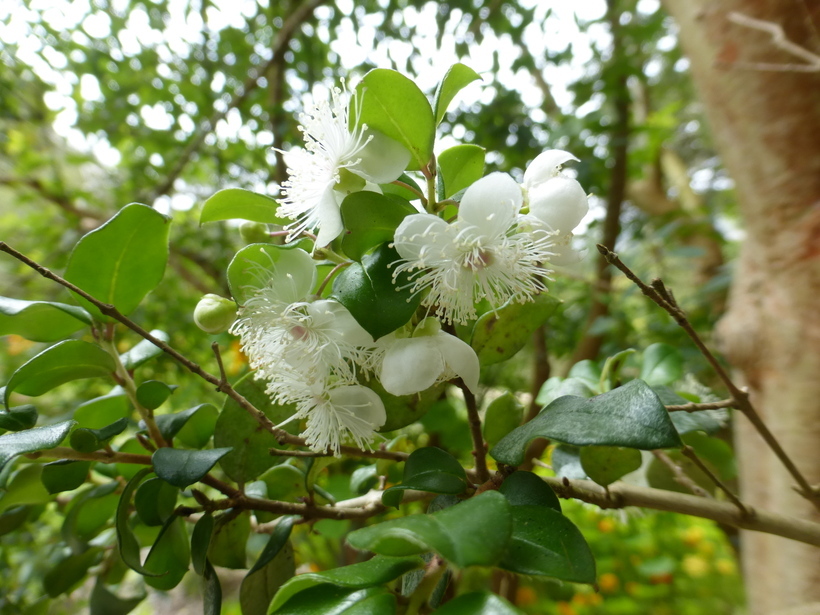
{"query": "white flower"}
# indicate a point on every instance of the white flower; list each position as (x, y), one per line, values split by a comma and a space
(558, 201)
(481, 255)
(334, 413)
(340, 157)
(414, 364)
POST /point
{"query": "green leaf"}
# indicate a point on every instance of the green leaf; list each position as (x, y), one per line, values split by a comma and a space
(606, 464)
(662, 364)
(41, 321)
(69, 572)
(456, 78)
(168, 558)
(18, 418)
(589, 372)
(371, 573)
(554, 388)
(371, 219)
(154, 501)
(686, 422)
(459, 167)
(122, 260)
(566, 462)
(630, 416)
(259, 587)
(504, 414)
(101, 411)
(401, 191)
(58, 364)
(64, 475)
(89, 512)
(368, 292)
(259, 263)
(14, 518)
(228, 542)
(402, 410)
(152, 394)
(459, 533)
(25, 487)
(478, 603)
(544, 542)
(332, 600)
(31, 440)
(181, 467)
(611, 372)
(498, 335)
(201, 542)
(87, 440)
(212, 596)
(236, 428)
(105, 602)
(193, 426)
(235, 203)
(285, 482)
(428, 469)
(143, 351)
(278, 539)
(128, 545)
(396, 107)
(527, 489)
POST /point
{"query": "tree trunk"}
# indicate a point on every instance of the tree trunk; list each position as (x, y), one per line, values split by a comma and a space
(767, 126)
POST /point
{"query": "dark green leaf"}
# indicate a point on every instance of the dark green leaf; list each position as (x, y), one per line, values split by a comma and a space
(285, 482)
(153, 393)
(212, 596)
(459, 167)
(371, 573)
(504, 414)
(181, 467)
(333, 600)
(201, 541)
(127, 541)
(25, 487)
(261, 263)
(169, 556)
(554, 388)
(61, 363)
(566, 462)
(102, 411)
(70, 572)
(143, 351)
(64, 475)
(459, 533)
(235, 203)
(428, 469)
(371, 219)
(589, 372)
(402, 410)
(630, 416)
(154, 501)
(364, 479)
(611, 372)
(89, 511)
(606, 464)
(368, 292)
(478, 603)
(686, 422)
(228, 542)
(41, 321)
(13, 518)
(258, 588)
(498, 335)
(122, 260)
(662, 364)
(193, 426)
(18, 418)
(527, 489)
(31, 440)
(104, 602)
(278, 539)
(457, 77)
(87, 440)
(394, 105)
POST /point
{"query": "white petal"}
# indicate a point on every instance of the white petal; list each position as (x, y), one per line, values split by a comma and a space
(491, 204)
(418, 234)
(382, 160)
(459, 357)
(564, 255)
(411, 365)
(364, 403)
(545, 166)
(560, 203)
(330, 218)
(338, 323)
(292, 275)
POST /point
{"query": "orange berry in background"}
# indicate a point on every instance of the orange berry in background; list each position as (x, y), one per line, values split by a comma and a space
(564, 608)
(608, 582)
(525, 596)
(606, 525)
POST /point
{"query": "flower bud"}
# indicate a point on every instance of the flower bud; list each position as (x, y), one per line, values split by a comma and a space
(254, 232)
(214, 314)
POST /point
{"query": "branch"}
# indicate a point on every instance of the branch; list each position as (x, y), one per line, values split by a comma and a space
(780, 41)
(102, 456)
(480, 452)
(679, 476)
(696, 407)
(621, 495)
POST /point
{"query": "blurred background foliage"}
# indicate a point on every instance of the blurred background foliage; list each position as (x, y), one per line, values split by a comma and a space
(107, 102)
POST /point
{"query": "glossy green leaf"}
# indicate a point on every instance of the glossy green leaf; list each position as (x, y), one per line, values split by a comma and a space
(498, 335)
(212, 596)
(169, 556)
(606, 464)
(457, 78)
(41, 321)
(371, 573)
(105, 602)
(371, 219)
(396, 107)
(278, 539)
(201, 542)
(143, 351)
(686, 422)
(285, 482)
(126, 540)
(152, 394)
(611, 371)
(228, 542)
(251, 443)
(88, 513)
(101, 411)
(401, 191)
(368, 292)
(58, 364)
(235, 203)
(566, 462)
(333, 600)
(183, 467)
(154, 501)
(554, 388)
(25, 487)
(31, 440)
(527, 489)
(662, 365)
(630, 416)
(459, 167)
(504, 414)
(193, 426)
(428, 469)
(261, 263)
(18, 418)
(70, 571)
(87, 440)
(589, 372)
(459, 533)
(478, 603)
(259, 587)
(64, 475)
(122, 260)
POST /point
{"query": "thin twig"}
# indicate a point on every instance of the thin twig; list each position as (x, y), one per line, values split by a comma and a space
(739, 395)
(480, 452)
(689, 452)
(218, 355)
(780, 41)
(709, 405)
(679, 476)
(101, 456)
(350, 451)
